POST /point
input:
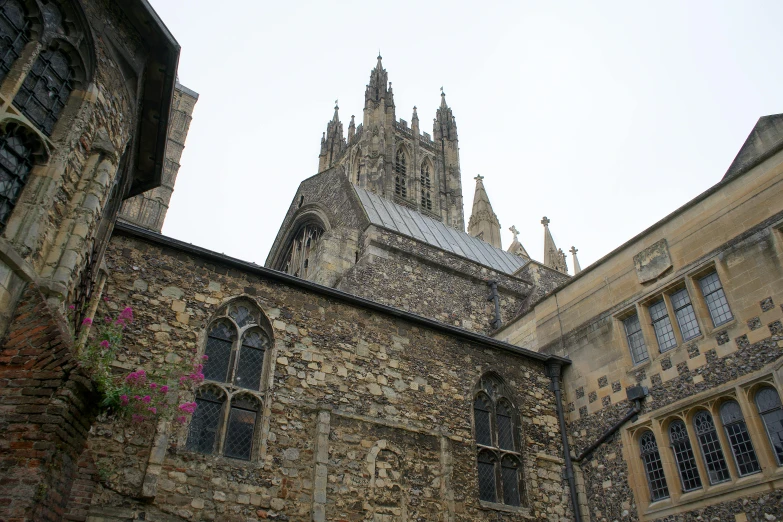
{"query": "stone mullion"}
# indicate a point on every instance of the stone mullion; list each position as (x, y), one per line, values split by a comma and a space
(728, 452)
(18, 73)
(673, 318)
(750, 413)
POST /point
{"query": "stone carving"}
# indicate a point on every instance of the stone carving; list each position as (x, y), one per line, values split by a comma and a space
(652, 262)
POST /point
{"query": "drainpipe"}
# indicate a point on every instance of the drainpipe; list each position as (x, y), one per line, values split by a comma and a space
(553, 372)
(493, 296)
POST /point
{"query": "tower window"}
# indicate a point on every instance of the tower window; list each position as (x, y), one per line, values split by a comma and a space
(426, 185)
(400, 179)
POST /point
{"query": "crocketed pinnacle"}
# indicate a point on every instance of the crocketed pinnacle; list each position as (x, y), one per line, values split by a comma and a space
(484, 222)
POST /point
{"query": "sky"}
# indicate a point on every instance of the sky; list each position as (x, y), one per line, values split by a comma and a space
(603, 116)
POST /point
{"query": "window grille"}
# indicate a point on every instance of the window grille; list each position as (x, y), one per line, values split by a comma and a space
(739, 438)
(46, 88)
(653, 467)
(202, 435)
(715, 298)
(662, 326)
(241, 425)
(400, 180)
(251, 360)
(481, 413)
(15, 165)
(633, 332)
(14, 34)
(486, 476)
(686, 318)
(683, 454)
(218, 352)
(711, 451)
(771, 412)
(510, 475)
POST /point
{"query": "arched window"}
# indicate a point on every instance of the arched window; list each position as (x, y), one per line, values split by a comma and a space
(16, 161)
(771, 412)
(498, 459)
(426, 186)
(400, 179)
(711, 452)
(739, 438)
(683, 454)
(653, 467)
(241, 426)
(14, 33)
(302, 248)
(218, 351)
(251, 359)
(204, 427)
(46, 89)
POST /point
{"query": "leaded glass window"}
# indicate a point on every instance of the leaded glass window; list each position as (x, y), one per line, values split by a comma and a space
(664, 332)
(768, 404)
(711, 451)
(715, 298)
(303, 247)
(251, 359)
(739, 438)
(686, 318)
(633, 332)
(218, 352)
(499, 468)
(426, 186)
(46, 88)
(400, 179)
(653, 467)
(203, 432)
(242, 316)
(683, 455)
(240, 429)
(14, 34)
(16, 161)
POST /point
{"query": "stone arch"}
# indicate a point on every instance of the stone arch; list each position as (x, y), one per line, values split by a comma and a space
(387, 500)
(300, 248)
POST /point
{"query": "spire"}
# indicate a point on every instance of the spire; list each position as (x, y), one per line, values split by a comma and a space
(516, 247)
(379, 87)
(415, 121)
(444, 126)
(553, 257)
(351, 129)
(333, 143)
(336, 116)
(577, 267)
(484, 222)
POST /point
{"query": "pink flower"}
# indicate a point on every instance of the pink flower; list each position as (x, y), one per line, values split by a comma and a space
(147, 398)
(120, 322)
(87, 321)
(106, 299)
(138, 418)
(107, 319)
(188, 407)
(137, 397)
(153, 385)
(182, 419)
(104, 344)
(124, 400)
(205, 357)
(153, 409)
(164, 389)
(72, 307)
(127, 314)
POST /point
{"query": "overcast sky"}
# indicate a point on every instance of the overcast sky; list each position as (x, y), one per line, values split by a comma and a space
(603, 116)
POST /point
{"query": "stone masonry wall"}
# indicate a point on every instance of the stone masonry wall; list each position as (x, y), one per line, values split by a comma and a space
(354, 395)
(411, 275)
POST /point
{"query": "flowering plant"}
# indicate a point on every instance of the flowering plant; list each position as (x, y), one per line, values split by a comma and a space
(137, 396)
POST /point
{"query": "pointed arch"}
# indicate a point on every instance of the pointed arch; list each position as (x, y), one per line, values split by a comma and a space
(20, 150)
(401, 159)
(240, 431)
(206, 422)
(425, 177)
(298, 256)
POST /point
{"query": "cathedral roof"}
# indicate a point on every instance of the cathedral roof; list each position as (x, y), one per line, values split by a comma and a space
(384, 213)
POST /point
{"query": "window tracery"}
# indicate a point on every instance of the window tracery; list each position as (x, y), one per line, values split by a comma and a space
(498, 459)
(302, 249)
(230, 402)
(400, 179)
(426, 186)
(653, 467)
(14, 33)
(711, 450)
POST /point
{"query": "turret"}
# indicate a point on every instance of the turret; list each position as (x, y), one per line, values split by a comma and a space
(444, 132)
(415, 122)
(484, 222)
(333, 143)
(377, 90)
(351, 130)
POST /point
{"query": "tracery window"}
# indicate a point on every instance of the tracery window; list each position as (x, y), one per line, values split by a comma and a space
(683, 455)
(499, 459)
(711, 451)
(14, 33)
(229, 403)
(302, 251)
(426, 186)
(46, 89)
(400, 179)
(653, 467)
(739, 438)
(771, 412)
(16, 161)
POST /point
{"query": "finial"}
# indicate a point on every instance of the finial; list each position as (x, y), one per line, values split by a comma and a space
(379, 54)
(479, 177)
(545, 221)
(573, 250)
(335, 104)
(514, 231)
(441, 91)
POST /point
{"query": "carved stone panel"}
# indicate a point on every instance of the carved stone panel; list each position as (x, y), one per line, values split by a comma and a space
(652, 262)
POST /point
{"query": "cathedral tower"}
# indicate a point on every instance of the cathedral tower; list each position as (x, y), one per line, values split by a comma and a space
(396, 161)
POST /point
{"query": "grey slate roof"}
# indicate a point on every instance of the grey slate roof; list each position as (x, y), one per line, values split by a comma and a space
(387, 214)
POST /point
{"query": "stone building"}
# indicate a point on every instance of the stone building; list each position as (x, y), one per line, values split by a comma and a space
(385, 364)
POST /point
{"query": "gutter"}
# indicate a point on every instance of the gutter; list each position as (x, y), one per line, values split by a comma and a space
(127, 229)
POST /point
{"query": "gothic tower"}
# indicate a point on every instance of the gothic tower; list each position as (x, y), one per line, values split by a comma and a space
(396, 161)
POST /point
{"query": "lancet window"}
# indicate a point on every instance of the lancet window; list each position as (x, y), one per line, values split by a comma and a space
(16, 162)
(228, 405)
(302, 251)
(653, 467)
(499, 458)
(14, 33)
(426, 186)
(400, 170)
(739, 438)
(771, 412)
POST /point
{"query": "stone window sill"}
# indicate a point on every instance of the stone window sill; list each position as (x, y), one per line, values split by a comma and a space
(503, 507)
